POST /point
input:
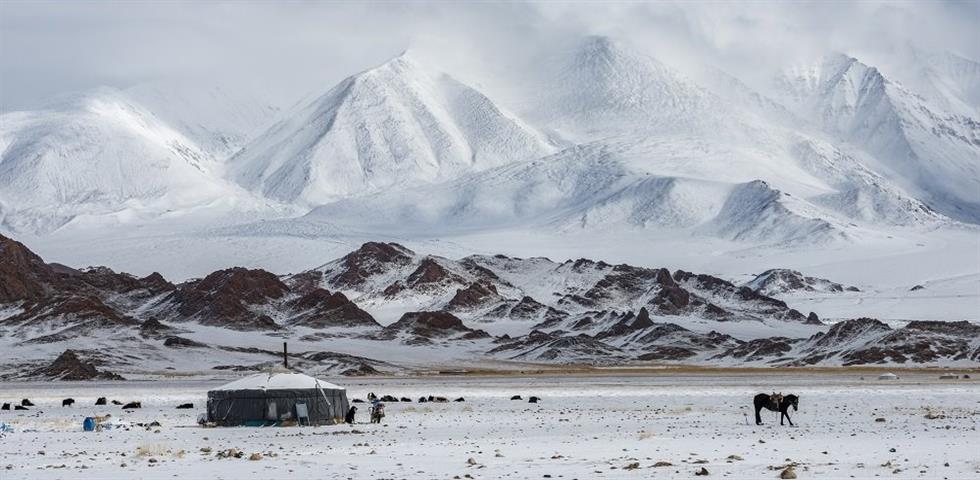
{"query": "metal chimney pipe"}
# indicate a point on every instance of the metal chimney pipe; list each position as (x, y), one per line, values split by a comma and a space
(285, 356)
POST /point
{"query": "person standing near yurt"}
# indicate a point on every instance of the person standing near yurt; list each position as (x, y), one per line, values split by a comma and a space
(377, 411)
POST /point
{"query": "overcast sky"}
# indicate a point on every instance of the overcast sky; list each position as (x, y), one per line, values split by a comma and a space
(286, 50)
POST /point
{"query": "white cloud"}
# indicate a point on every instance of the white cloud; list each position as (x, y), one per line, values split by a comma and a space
(290, 49)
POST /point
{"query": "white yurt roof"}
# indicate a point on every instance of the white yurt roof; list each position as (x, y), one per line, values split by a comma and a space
(278, 381)
(887, 376)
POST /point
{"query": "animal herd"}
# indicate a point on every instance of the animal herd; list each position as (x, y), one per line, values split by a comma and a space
(776, 402)
(393, 399)
(68, 402)
(429, 399)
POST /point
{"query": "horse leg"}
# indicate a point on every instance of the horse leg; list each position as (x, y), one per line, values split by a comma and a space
(790, 420)
(758, 418)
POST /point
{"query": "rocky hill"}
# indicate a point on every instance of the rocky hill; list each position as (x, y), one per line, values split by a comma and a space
(481, 308)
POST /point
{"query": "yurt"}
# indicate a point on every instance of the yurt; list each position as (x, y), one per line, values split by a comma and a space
(887, 376)
(276, 398)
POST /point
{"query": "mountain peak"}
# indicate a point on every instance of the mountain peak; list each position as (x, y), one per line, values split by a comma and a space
(399, 122)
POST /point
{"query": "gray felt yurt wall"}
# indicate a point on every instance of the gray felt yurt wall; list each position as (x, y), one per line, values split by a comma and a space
(272, 398)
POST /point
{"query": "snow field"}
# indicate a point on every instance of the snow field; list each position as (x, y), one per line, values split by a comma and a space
(585, 427)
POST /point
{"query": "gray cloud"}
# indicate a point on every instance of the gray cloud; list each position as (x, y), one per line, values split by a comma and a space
(288, 49)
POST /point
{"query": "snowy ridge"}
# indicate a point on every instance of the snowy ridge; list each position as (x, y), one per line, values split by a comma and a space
(588, 188)
(397, 123)
(626, 91)
(219, 120)
(98, 153)
(921, 147)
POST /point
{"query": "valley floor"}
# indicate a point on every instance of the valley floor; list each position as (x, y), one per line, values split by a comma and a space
(585, 427)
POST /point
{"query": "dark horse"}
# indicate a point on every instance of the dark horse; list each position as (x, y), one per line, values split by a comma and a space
(776, 403)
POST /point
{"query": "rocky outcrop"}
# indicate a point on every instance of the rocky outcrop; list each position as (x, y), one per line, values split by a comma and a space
(24, 277)
(584, 311)
(344, 364)
(223, 299)
(67, 316)
(181, 342)
(540, 346)
(370, 259)
(666, 353)
(420, 327)
(771, 350)
(152, 328)
(476, 295)
(846, 332)
(105, 278)
(628, 325)
(69, 367)
(780, 281)
(321, 309)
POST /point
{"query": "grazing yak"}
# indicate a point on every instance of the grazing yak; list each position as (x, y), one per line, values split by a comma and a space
(460, 399)
(132, 405)
(26, 403)
(533, 400)
(67, 402)
(406, 399)
(116, 402)
(20, 407)
(184, 406)
(516, 397)
(5, 406)
(100, 401)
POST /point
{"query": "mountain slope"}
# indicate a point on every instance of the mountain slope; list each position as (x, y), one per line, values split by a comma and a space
(601, 87)
(219, 120)
(930, 152)
(96, 153)
(588, 188)
(398, 123)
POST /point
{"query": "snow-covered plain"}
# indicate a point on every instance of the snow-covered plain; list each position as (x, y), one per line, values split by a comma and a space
(585, 427)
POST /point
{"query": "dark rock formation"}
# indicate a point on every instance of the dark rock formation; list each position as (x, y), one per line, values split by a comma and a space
(181, 342)
(778, 281)
(476, 295)
(320, 309)
(429, 325)
(555, 347)
(223, 299)
(371, 259)
(69, 367)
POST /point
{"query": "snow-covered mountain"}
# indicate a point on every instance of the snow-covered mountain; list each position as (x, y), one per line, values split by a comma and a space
(948, 80)
(587, 188)
(601, 87)
(930, 152)
(97, 153)
(397, 124)
(599, 140)
(219, 120)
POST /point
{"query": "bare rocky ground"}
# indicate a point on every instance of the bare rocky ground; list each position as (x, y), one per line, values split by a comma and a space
(650, 426)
